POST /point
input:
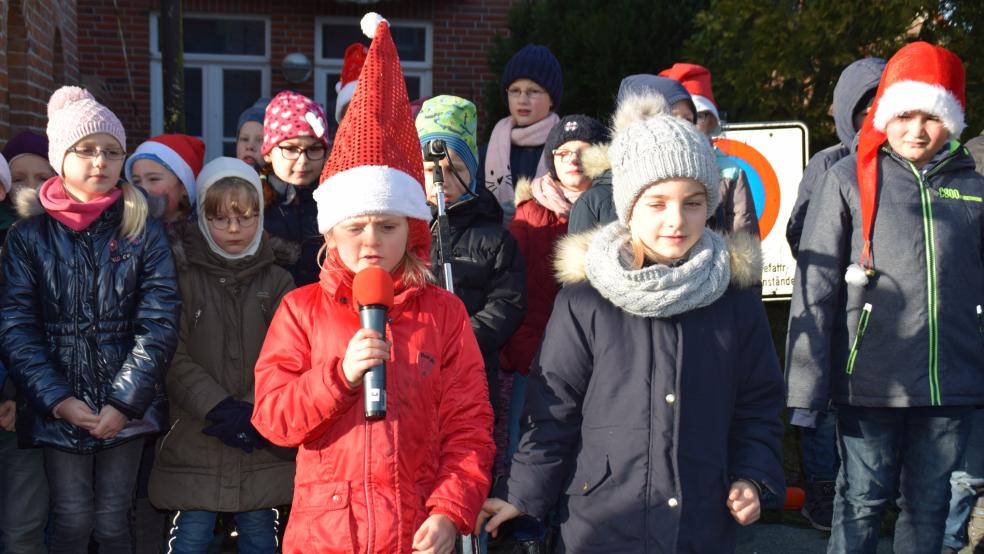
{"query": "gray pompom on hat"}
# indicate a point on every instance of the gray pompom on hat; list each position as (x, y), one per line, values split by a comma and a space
(650, 145)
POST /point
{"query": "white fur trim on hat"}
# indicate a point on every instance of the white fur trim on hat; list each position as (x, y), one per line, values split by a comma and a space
(911, 96)
(366, 190)
(344, 97)
(4, 174)
(220, 168)
(174, 162)
(370, 22)
(704, 104)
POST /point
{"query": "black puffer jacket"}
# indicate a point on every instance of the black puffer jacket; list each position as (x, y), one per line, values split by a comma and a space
(91, 315)
(296, 221)
(488, 272)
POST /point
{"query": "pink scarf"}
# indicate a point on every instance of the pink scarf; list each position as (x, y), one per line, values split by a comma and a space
(498, 173)
(72, 213)
(552, 196)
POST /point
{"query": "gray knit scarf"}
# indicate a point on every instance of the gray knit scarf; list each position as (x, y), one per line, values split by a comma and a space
(657, 290)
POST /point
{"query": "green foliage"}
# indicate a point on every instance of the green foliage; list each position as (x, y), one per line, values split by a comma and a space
(597, 43)
(779, 60)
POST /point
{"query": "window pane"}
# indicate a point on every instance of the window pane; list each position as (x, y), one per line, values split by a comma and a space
(229, 148)
(413, 87)
(240, 89)
(225, 36)
(193, 101)
(411, 42)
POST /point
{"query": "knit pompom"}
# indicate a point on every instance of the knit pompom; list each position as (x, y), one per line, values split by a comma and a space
(638, 107)
(856, 276)
(370, 22)
(66, 95)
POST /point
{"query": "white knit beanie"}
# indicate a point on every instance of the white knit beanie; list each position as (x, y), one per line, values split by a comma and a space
(649, 145)
(74, 114)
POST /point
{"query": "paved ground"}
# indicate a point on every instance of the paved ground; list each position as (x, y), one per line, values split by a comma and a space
(775, 538)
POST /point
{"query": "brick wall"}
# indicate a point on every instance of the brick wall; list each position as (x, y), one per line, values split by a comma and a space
(37, 54)
(463, 31)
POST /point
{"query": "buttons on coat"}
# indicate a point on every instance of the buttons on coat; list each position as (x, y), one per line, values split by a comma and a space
(673, 503)
(222, 280)
(670, 398)
(336, 498)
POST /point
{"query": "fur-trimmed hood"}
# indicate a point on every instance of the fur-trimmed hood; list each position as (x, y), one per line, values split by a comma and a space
(595, 161)
(744, 249)
(28, 202)
(524, 191)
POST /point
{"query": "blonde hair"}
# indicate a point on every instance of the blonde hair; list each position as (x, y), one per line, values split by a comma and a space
(134, 212)
(640, 252)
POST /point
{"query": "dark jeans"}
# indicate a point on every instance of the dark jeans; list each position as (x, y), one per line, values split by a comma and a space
(819, 446)
(192, 532)
(92, 494)
(964, 484)
(889, 453)
(23, 497)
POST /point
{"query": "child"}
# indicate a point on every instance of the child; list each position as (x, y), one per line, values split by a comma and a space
(249, 133)
(883, 321)
(532, 84)
(90, 306)
(648, 448)
(415, 479)
(166, 166)
(27, 154)
(352, 61)
(294, 149)
(213, 460)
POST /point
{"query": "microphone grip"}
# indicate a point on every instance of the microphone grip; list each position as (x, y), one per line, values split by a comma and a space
(374, 381)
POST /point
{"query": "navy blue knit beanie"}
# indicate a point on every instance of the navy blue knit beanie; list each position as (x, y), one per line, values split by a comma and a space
(538, 64)
(572, 127)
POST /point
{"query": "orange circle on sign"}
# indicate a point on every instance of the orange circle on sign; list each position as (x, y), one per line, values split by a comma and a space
(771, 194)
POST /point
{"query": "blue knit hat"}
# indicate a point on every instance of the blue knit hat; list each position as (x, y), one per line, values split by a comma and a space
(255, 113)
(642, 84)
(538, 64)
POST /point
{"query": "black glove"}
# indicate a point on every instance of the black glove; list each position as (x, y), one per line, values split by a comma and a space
(231, 425)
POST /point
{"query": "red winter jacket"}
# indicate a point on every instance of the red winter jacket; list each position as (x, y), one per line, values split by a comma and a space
(368, 486)
(537, 231)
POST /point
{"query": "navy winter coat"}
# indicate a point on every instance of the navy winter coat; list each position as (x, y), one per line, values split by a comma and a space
(87, 314)
(636, 427)
(297, 222)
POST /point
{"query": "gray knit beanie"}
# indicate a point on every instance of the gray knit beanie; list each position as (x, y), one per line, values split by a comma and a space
(649, 145)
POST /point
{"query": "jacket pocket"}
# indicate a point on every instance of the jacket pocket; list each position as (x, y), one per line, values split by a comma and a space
(589, 475)
(323, 520)
(858, 337)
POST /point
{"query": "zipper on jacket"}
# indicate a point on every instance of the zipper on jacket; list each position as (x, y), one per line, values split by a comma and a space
(856, 345)
(195, 318)
(980, 320)
(929, 237)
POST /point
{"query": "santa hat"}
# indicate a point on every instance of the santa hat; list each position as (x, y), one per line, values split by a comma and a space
(697, 80)
(352, 62)
(290, 115)
(182, 155)
(375, 165)
(919, 77)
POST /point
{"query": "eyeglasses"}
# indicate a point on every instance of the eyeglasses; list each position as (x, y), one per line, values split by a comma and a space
(313, 152)
(531, 94)
(566, 155)
(242, 221)
(88, 153)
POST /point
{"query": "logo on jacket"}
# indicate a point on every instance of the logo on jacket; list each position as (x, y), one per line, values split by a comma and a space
(954, 194)
(426, 363)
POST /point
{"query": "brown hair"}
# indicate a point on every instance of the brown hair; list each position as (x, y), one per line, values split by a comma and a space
(237, 195)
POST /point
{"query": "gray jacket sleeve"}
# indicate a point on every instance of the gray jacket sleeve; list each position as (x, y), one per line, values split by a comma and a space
(812, 177)
(817, 293)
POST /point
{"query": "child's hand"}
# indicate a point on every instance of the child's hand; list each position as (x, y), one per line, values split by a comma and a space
(366, 350)
(500, 511)
(8, 415)
(743, 501)
(111, 422)
(435, 536)
(77, 413)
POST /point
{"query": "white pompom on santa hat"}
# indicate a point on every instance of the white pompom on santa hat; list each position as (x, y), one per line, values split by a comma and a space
(376, 166)
(919, 77)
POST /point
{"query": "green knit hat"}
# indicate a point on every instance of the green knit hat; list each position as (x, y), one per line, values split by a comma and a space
(455, 121)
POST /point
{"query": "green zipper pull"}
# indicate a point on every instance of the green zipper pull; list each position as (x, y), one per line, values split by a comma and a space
(856, 346)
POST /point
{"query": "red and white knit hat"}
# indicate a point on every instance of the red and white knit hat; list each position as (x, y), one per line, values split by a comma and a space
(919, 77)
(182, 155)
(291, 115)
(354, 59)
(697, 80)
(375, 165)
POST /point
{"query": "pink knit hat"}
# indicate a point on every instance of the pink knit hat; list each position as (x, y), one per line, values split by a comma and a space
(74, 114)
(291, 115)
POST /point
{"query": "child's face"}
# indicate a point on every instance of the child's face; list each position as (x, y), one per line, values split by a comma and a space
(159, 181)
(249, 143)
(916, 136)
(232, 230)
(29, 170)
(567, 163)
(453, 188)
(669, 218)
(528, 102)
(682, 110)
(298, 161)
(371, 240)
(92, 166)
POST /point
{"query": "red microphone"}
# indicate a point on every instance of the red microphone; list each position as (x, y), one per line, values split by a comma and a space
(372, 290)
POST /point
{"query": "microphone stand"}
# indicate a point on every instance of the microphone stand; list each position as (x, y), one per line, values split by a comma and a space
(436, 151)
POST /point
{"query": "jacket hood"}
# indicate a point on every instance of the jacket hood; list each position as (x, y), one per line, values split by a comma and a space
(480, 208)
(855, 82)
(595, 161)
(524, 191)
(28, 202)
(744, 249)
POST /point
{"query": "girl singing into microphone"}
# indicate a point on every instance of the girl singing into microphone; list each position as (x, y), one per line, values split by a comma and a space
(414, 480)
